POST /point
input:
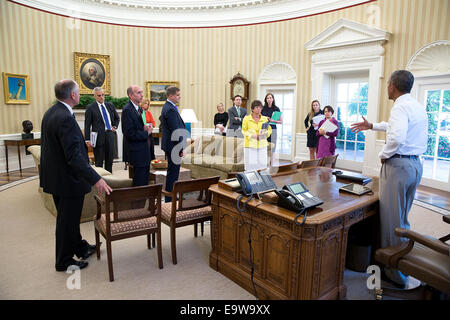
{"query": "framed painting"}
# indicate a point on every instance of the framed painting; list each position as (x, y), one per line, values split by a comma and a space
(156, 91)
(92, 70)
(16, 88)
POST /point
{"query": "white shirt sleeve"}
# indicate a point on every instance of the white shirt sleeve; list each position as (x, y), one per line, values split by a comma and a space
(382, 126)
(396, 131)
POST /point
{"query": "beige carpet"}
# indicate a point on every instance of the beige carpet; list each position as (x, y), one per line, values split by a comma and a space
(27, 259)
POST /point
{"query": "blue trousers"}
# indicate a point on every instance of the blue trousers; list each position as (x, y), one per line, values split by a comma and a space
(173, 172)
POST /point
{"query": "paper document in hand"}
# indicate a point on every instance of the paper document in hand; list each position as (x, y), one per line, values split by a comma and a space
(93, 139)
(328, 126)
(275, 116)
(317, 119)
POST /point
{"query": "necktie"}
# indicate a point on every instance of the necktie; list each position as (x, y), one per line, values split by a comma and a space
(105, 117)
(238, 112)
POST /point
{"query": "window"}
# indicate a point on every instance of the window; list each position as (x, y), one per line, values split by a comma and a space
(437, 157)
(285, 101)
(351, 103)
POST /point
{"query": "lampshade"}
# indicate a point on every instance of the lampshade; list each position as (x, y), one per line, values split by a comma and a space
(188, 115)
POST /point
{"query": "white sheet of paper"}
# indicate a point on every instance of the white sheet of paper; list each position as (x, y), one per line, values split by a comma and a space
(328, 126)
(93, 138)
(163, 173)
(317, 119)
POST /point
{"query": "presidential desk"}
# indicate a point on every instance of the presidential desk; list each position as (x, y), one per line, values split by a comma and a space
(290, 261)
(18, 143)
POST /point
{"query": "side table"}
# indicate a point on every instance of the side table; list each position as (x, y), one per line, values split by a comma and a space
(18, 143)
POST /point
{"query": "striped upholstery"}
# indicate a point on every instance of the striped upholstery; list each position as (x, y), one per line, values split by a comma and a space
(128, 226)
(186, 215)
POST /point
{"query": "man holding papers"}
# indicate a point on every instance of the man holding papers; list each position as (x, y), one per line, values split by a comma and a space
(328, 130)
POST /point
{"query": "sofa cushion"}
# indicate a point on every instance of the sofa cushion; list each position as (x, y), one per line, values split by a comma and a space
(102, 172)
(201, 143)
(227, 164)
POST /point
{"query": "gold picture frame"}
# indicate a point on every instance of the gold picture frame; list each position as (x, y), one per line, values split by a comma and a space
(156, 91)
(16, 88)
(92, 70)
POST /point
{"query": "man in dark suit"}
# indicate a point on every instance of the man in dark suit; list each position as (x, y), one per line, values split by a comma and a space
(66, 174)
(174, 137)
(235, 115)
(136, 133)
(104, 120)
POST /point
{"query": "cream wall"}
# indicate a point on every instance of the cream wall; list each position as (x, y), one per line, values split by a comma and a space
(203, 60)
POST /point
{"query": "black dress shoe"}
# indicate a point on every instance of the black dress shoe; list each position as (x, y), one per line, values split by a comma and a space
(79, 264)
(385, 278)
(89, 251)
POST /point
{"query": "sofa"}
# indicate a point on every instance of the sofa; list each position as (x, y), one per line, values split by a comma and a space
(89, 207)
(216, 155)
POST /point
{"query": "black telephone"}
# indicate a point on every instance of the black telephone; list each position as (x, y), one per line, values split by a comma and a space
(252, 182)
(297, 197)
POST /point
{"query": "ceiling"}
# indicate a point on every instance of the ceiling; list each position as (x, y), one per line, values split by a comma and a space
(187, 13)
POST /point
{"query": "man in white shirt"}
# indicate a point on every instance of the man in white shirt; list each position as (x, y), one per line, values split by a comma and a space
(401, 171)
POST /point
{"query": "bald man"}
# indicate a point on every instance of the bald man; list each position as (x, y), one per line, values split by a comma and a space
(136, 133)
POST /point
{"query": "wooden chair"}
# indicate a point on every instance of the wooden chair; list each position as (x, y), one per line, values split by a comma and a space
(133, 212)
(188, 211)
(422, 257)
(284, 169)
(329, 161)
(309, 163)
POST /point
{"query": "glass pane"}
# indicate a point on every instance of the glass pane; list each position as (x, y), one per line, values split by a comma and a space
(287, 114)
(350, 135)
(431, 145)
(364, 92)
(444, 122)
(443, 148)
(341, 134)
(363, 109)
(446, 100)
(433, 99)
(339, 144)
(342, 92)
(341, 114)
(350, 145)
(288, 100)
(353, 91)
(361, 136)
(360, 152)
(432, 122)
(352, 109)
(442, 169)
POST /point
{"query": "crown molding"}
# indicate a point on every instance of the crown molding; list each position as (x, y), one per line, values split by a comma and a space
(187, 14)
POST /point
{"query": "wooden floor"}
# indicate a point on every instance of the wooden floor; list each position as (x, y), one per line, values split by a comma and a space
(16, 175)
(428, 195)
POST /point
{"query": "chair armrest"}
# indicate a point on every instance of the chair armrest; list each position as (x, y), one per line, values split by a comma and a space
(166, 193)
(431, 243)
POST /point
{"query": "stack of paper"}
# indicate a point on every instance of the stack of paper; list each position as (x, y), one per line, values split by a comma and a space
(317, 119)
(328, 126)
(93, 139)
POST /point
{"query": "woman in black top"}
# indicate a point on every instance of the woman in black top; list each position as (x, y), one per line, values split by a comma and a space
(220, 120)
(311, 128)
(268, 109)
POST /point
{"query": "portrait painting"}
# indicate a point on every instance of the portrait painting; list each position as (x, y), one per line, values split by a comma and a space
(92, 70)
(156, 91)
(15, 87)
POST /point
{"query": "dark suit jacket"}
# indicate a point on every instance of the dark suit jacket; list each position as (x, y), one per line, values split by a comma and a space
(137, 137)
(64, 163)
(94, 119)
(171, 121)
(234, 126)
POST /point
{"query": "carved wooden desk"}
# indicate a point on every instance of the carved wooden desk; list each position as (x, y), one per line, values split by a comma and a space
(18, 143)
(290, 261)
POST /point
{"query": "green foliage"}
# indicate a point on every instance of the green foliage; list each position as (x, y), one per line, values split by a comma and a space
(86, 99)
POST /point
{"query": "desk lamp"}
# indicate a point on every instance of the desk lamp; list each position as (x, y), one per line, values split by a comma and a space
(188, 116)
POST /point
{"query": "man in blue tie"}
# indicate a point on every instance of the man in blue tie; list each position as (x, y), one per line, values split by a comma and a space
(102, 118)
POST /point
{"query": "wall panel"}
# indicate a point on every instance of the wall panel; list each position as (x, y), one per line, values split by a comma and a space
(203, 60)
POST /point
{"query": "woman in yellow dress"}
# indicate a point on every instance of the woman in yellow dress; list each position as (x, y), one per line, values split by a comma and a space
(256, 130)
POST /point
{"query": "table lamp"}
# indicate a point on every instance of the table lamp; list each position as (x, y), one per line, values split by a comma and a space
(188, 116)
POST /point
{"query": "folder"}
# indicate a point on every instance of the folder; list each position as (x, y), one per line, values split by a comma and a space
(275, 116)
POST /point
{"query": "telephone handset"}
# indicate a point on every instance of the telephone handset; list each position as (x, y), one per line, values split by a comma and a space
(288, 200)
(252, 182)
